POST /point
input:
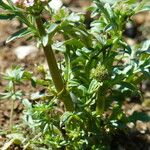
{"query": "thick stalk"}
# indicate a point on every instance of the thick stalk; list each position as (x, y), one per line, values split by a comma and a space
(100, 102)
(54, 70)
(100, 105)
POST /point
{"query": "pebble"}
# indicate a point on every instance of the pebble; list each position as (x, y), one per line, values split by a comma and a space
(22, 51)
(141, 126)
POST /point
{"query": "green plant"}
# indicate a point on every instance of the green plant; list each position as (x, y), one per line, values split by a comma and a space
(98, 72)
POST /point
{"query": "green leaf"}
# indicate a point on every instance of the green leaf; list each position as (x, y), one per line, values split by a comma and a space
(7, 16)
(15, 74)
(108, 1)
(142, 116)
(37, 95)
(130, 86)
(73, 83)
(146, 46)
(83, 89)
(106, 10)
(140, 6)
(145, 8)
(64, 118)
(73, 17)
(6, 95)
(109, 11)
(33, 82)
(45, 40)
(131, 1)
(59, 46)
(8, 144)
(74, 42)
(19, 34)
(52, 28)
(16, 136)
(94, 85)
(4, 6)
(128, 49)
(27, 103)
(109, 27)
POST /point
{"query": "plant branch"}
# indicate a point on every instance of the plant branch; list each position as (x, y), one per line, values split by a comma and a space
(11, 114)
(54, 70)
(12, 108)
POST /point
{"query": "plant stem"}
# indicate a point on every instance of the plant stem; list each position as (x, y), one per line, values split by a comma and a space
(100, 105)
(100, 102)
(54, 70)
(12, 108)
(11, 114)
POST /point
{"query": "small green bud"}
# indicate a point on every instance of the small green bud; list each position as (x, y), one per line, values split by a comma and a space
(100, 72)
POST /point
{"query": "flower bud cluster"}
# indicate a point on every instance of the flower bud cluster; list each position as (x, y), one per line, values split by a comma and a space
(100, 73)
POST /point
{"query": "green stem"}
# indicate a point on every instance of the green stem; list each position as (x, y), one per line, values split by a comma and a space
(12, 108)
(54, 70)
(100, 105)
(100, 102)
(11, 115)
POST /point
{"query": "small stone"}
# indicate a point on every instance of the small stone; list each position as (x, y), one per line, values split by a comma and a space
(141, 126)
(22, 51)
(130, 125)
